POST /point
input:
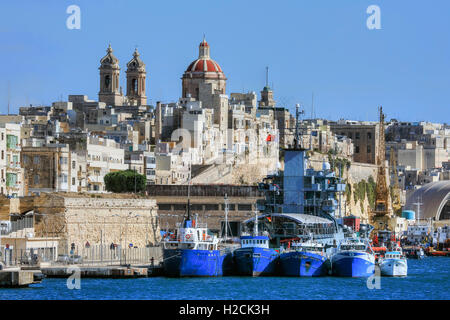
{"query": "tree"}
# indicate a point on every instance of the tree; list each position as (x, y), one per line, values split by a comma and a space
(125, 181)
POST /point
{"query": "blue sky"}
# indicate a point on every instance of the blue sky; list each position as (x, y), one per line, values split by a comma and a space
(321, 47)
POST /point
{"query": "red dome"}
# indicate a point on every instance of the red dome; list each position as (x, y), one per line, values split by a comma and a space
(204, 65)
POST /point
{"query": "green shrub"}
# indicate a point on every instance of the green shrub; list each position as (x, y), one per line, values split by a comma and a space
(125, 181)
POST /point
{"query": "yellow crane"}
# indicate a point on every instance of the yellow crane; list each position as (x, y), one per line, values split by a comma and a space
(396, 202)
(382, 212)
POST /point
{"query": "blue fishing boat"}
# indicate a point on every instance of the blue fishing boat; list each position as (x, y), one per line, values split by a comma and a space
(304, 259)
(255, 258)
(192, 251)
(353, 258)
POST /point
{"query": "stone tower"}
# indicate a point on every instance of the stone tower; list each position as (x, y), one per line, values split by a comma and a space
(109, 79)
(136, 76)
(267, 94)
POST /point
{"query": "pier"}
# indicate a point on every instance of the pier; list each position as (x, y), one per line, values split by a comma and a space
(16, 278)
(97, 272)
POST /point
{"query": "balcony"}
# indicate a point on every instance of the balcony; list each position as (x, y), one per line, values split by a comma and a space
(95, 179)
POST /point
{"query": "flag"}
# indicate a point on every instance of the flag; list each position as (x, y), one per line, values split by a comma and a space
(269, 218)
(270, 138)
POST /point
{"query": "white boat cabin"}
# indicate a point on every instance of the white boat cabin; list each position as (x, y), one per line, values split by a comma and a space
(393, 255)
(192, 236)
(308, 246)
(255, 242)
(353, 245)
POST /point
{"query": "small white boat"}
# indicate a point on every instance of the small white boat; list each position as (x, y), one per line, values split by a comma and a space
(394, 264)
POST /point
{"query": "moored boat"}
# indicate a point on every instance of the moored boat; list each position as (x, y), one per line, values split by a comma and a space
(394, 264)
(353, 258)
(304, 259)
(255, 258)
(192, 252)
(414, 252)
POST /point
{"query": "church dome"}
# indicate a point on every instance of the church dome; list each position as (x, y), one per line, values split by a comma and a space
(204, 63)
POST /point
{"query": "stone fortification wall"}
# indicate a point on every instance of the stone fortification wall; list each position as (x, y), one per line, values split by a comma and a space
(97, 220)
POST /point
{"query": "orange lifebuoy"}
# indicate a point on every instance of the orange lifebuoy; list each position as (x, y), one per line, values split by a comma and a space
(188, 236)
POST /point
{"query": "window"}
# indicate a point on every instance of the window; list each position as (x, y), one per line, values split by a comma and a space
(165, 206)
(3, 154)
(11, 141)
(36, 160)
(369, 135)
(211, 207)
(180, 207)
(356, 149)
(356, 135)
(36, 179)
(368, 149)
(244, 207)
(15, 161)
(11, 179)
(73, 164)
(73, 181)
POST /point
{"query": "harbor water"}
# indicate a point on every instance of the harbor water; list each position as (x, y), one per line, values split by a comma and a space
(427, 279)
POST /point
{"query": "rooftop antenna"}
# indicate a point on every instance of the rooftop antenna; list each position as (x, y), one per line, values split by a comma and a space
(267, 76)
(312, 106)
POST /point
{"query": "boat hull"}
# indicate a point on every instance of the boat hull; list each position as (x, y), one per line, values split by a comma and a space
(255, 261)
(394, 268)
(353, 264)
(303, 264)
(193, 263)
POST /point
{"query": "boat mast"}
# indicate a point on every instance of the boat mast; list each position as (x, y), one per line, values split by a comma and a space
(256, 223)
(418, 204)
(226, 217)
(189, 191)
(297, 132)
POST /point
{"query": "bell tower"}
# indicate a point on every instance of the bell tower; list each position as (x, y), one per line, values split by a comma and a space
(136, 76)
(109, 79)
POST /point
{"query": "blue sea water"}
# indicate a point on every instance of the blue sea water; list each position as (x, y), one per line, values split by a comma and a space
(427, 279)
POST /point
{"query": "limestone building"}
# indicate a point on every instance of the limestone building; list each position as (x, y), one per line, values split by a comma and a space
(11, 182)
